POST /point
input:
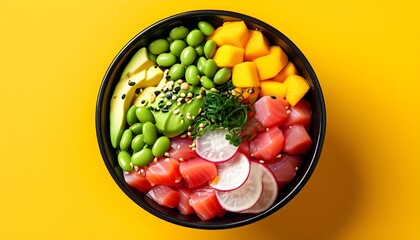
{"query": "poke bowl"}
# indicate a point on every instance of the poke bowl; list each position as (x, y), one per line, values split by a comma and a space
(210, 119)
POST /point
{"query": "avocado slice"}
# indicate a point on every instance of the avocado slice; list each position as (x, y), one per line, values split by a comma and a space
(124, 93)
(138, 62)
(176, 124)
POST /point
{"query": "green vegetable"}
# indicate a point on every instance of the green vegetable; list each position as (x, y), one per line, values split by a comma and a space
(145, 115)
(180, 32)
(206, 28)
(177, 71)
(138, 143)
(166, 59)
(126, 138)
(161, 146)
(136, 128)
(158, 46)
(195, 37)
(131, 115)
(223, 110)
(177, 46)
(124, 160)
(188, 56)
(149, 133)
(142, 157)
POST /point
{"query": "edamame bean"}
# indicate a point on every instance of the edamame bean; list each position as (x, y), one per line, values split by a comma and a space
(166, 59)
(222, 75)
(142, 157)
(188, 56)
(206, 28)
(145, 115)
(124, 160)
(138, 143)
(149, 133)
(195, 37)
(180, 32)
(210, 68)
(126, 138)
(200, 64)
(161, 146)
(177, 46)
(131, 115)
(206, 82)
(152, 57)
(210, 48)
(200, 49)
(136, 128)
(192, 75)
(159, 46)
(177, 71)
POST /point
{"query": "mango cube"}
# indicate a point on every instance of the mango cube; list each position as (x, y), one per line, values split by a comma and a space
(256, 46)
(217, 36)
(248, 95)
(245, 75)
(228, 56)
(288, 70)
(297, 87)
(235, 33)
(273, 88)
(271, 64)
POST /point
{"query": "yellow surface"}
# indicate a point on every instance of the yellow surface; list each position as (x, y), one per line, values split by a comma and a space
(54, 185)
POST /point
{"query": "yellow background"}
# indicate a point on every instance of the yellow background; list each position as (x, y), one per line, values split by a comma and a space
(54, 185)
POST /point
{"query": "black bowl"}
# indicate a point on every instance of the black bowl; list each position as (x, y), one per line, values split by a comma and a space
(161, 28)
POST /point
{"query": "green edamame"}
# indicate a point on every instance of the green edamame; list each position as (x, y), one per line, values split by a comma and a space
(195, 37)
(210, 48)
(200, 65)
(161, 146)
(180, 32)
(177, 46)
(206, 82)
(126, 138)
(159, 46)
(177, 71)
(188, 56)
(124, 160)
(145, 115)
(192, 75)
(206, 28)
(142, 157)
(166, 59)
(149, 133)
(199, 49)
(210, 68)
(222, 76)
(138, 143)
(136, 128)
(131, 115)
(152, 57)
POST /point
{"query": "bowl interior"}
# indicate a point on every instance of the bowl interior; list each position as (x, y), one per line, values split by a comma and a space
(190, 19)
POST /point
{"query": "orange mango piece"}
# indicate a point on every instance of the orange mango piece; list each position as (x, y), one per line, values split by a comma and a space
(256, 46)
(297, 87)
(248, 95)
(228, 56)
(289, 69)
(271, 64)
(217, 36)
(245, 75)
(235, 33)
(273, 88)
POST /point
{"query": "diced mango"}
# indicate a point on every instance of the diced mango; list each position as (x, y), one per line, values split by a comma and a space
(288, 70)
(217, 36)
(273, 88)
(248, 95)
(271, 64)
(256, 46)
(228, 56)
(245, 75)
(235, 33)
(297, 87)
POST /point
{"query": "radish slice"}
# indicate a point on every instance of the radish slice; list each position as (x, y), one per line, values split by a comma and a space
(269, 193)
(232, 173)
(245, 196)
(214, 147)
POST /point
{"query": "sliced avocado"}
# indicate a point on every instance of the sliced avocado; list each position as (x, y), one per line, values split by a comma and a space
(138, 62)
(124, 93)
(176, 124)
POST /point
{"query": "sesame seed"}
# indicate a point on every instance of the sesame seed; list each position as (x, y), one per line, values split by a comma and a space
(201, 125)
(180, 81)
(182, 95)
(296, 168)
(261, 161)
(131, 83)
(189, 95)
(267, 129)
(178, 103)
(181, 159)
(168, 103)
(185, 86)
(178, 147)
(176, 111)
(288, 112)
(174, 97)
(214, 90)
(278, 156)
(166, 154)
(199, 97)
(123, 96)
(183, 135)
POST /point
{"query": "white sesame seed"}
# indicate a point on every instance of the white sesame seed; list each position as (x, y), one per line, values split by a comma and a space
(214, 90)
(185, 86)
(166, 154)
(183, 135)
(181, 159)
(296, 168)
(174, 97)
(168, 103)
(182, 95)
(180, 81)
(261, 161)
(189, 94)
(288, 111)
(199, 97)
(178, 147)
(176, 111)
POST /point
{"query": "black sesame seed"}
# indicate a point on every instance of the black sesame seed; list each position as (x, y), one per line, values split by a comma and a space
(157, 92)
(131, 83)
(137, 90)
(177, 89)
(165, 110)
(273, 97)
(143, 101)
(168, 77)
(156, 66)
(169, 96)
(123, 96)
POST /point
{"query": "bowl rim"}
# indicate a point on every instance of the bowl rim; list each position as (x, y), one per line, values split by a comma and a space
(203, 225)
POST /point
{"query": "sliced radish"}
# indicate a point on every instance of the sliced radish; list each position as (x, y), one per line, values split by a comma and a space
(214, 147)
(232, 173)
(269, 193)
(245, 196)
